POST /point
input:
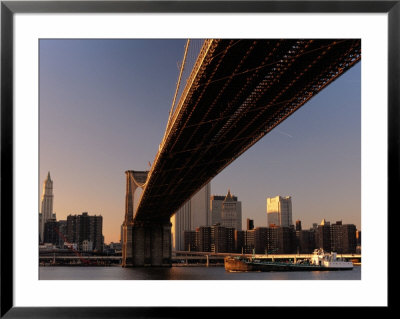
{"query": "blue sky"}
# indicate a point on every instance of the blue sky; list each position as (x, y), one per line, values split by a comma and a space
(104, 106)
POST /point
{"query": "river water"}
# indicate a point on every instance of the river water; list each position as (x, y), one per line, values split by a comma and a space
(186, 273)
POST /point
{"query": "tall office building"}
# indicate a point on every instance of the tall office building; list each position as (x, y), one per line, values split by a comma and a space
(231, 215)
(323, 236)
(279, 211)
(46, 211)
(216, 208)
(226, 211)
(193, 214)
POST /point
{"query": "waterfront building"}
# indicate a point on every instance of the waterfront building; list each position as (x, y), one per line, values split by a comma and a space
(226, 211)
(337, 237)
(87, 246)
(203, 238)
(216, 238)
(191, 215)
(72, 229)
(279, 211)
(323, 235)
(62, 232)
(190, 240)
(272, 239)
(249, 241)
(349, 239)
(239, 241)
(260, 240)
(222, 239)
(340, 238)
(115, 246)
(286, 240)
(46, 205)
(230, 239)
(305, 241)
(281, 240)
(85, 227)
(51, 232)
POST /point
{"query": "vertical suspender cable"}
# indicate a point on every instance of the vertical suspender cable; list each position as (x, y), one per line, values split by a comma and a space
(178, 84)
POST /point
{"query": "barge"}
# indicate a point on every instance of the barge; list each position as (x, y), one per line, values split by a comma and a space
(320, 261)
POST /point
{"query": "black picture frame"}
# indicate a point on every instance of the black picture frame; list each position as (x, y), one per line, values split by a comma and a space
(9, 8)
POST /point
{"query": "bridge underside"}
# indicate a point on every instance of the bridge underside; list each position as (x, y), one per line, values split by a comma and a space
(239, 91)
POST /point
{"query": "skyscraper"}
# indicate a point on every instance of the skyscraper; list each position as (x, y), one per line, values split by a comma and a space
(231, 215)
(226, 211)
(47, 205)
(279, 211)
(193, 214)
(216, 208)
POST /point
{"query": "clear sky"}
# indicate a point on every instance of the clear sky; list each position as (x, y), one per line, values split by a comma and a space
(104, 106)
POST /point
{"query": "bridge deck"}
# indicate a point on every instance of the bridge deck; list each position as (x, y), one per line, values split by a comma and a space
(239, 90)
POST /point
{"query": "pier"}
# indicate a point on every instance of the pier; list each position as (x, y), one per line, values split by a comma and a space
(179, 258)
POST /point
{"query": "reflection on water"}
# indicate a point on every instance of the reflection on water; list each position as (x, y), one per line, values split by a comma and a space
(186, 273)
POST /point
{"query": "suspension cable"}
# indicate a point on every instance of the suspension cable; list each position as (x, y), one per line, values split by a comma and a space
(178, 84)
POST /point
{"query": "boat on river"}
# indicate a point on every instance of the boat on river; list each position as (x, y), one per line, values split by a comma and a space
(319, 261)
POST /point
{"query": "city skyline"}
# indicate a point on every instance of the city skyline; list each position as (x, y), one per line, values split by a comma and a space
(99, 116)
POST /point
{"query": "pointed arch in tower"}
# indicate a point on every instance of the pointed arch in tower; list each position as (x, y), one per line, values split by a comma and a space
(134, 180)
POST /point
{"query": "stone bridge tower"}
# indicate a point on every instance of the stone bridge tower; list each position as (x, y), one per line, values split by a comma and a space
(144, 243)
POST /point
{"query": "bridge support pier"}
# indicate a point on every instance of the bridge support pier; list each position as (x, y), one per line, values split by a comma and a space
(147, 245)
(127, 260)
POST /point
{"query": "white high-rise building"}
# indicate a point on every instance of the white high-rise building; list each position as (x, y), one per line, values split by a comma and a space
(226, 211)
(193, 214)
(47, 205)
(279, 211)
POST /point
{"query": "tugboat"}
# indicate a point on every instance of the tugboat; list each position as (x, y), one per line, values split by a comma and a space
(329, 261)
(320, 261)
